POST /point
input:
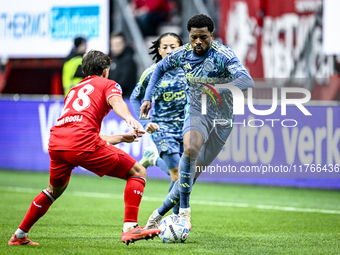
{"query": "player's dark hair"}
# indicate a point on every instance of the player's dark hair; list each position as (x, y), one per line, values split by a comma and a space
(156, 44)
(200, 21)
(94, 62)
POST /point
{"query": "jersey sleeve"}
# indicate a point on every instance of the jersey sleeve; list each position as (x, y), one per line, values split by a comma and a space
(241, 77)
(113, 89)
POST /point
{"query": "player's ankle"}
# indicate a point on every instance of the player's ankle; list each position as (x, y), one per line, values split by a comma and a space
(20, 233)
(184, 209)
(129, 225)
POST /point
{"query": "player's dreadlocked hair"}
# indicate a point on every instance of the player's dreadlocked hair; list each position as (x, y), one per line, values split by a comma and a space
(94, 62)
(155, 45)
(200, 21)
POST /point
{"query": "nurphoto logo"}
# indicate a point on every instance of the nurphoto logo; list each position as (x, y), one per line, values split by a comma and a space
(238, 104)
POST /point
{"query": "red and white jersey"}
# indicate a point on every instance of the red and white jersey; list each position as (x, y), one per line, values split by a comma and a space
(85, 106)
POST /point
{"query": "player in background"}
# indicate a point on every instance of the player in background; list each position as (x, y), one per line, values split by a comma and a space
(205, 63)
(75, 141)
(167, 119)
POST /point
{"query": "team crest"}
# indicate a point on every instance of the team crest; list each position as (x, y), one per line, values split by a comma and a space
(164, 146)
(208, 65)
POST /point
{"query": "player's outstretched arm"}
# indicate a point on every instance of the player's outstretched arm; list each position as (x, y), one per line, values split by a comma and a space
(122, 110)
(129, 137)
(157, 75)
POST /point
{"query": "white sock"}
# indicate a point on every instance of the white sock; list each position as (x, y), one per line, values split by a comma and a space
(20, 233)
(157, 215)
(184, 209)
(129, 225)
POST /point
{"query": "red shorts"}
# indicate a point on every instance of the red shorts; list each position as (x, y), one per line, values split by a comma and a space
(105, 160)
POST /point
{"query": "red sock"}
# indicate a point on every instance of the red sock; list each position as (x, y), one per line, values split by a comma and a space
(38, 208)
(132, 196)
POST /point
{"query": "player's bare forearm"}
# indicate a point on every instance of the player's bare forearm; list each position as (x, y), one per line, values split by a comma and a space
(120, 107)
(144, 109)
(122, 110)
(129, 137)
(112, 139)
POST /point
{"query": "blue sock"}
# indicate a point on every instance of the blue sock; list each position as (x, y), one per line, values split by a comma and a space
(171, 185)
(161, 164)
(170, 201)
(186, 178)
(175, 209)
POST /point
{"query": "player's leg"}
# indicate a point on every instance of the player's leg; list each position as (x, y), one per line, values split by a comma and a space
(169, 148)
(135, 183)
(111, 161)
(151, 158)
(133, 193)
(193, 141)
(162, 165)
(172, 160)
(42, 202)
(171, 200)
(213, 146)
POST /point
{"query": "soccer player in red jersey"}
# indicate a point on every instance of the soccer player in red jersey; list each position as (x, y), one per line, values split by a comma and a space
(75, 141)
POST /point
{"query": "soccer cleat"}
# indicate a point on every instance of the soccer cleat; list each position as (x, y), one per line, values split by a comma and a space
(20, 241)
(186, 214)
(149, 157)
(154, 220)
(139, 233)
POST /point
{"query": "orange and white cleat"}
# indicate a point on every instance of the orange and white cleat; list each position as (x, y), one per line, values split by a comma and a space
(139, 233)
(20, 241)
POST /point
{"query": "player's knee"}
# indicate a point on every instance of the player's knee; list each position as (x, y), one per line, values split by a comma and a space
(56, 191)
(138, 169)
(192, 150)
(192, 141)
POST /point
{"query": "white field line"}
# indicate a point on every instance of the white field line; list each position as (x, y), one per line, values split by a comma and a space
(197, 202)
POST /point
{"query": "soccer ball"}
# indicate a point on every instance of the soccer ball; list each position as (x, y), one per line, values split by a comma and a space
(174, 229)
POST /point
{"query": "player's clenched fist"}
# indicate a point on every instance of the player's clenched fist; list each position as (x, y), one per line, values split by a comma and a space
(151, 127)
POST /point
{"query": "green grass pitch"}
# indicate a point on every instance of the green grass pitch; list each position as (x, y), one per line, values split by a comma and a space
(226, 219)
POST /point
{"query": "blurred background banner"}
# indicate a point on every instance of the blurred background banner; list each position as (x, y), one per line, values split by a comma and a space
(25, 130)
(277, 39)
(39, 28)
